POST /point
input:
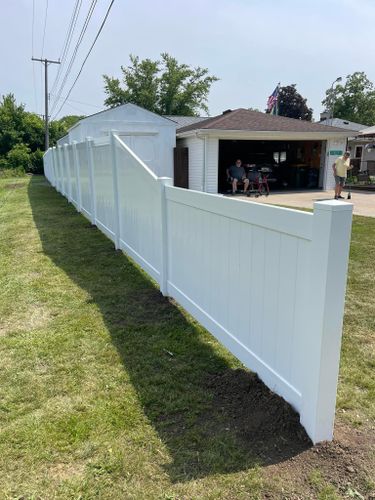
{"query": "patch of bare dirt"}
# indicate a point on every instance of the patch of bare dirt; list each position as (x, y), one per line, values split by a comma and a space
(269, 428)
(31, 319)
(64, 471)
(262, 421)
(17, 185)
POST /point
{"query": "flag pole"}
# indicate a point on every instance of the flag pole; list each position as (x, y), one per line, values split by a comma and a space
(277, 99)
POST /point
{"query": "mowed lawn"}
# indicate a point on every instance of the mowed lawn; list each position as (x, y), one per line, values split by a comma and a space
(109, 390)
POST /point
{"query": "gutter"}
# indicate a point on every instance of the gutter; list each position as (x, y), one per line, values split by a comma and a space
(270, 135)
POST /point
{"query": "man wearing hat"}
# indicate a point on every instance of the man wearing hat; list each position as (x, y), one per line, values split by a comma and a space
(340, 170)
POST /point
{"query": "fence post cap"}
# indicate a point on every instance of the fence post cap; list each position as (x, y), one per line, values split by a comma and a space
(333, 206)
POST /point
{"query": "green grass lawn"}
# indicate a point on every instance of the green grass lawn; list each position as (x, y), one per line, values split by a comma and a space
(106, 387)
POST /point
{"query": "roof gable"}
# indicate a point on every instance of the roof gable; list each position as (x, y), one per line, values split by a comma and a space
(128, 111)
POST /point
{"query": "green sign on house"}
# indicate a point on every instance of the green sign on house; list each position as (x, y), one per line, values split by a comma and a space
(335, 152)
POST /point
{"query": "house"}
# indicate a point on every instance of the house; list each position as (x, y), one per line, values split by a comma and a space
(356, 144)
(151, 136)
(364, 148)
(301, 153)
(196, 151)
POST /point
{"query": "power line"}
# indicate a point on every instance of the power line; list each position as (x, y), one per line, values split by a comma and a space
(67, 41)
(81, 102)
(45, 25)
(32, 55)
(89, 52)
(72, 59)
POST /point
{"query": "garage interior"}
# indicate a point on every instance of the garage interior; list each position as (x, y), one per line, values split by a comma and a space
(294, 165)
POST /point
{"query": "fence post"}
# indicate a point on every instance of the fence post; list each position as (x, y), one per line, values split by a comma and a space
(60, 169)
(328, 272)
(115, 184)
(67, 167)
(77, 170)
(53, 175)
(90, 161)
(163, 182)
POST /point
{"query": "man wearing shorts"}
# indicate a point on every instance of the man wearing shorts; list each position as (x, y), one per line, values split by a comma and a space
(340, 171)
(236, 173)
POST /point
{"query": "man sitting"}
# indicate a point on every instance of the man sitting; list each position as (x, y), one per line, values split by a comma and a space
(236, 173)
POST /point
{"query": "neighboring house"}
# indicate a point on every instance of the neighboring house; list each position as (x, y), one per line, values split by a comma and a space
(356, 144)
(301, 153)
(151, 136)
(364, 147)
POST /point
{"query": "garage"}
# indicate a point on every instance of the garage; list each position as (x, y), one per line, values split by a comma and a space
(291, 165)
(295, 154)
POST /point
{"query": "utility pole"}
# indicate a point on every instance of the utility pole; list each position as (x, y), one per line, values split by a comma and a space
(46, 62)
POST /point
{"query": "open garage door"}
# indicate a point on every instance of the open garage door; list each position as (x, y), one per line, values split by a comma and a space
(294, 165)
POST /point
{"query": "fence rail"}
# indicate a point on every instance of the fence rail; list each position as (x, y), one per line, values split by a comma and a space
(268, 282)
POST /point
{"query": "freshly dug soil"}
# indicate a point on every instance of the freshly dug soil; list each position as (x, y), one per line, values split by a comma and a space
(267, 427)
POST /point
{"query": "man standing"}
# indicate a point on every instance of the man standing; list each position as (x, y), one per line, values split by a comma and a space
(340, 170)
(236, 173)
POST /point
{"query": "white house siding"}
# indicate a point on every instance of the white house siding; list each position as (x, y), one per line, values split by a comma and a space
(202, 150)
(212, 162)
(196, 154)
(333, 146)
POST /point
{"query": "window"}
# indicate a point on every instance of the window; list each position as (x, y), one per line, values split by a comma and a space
(358, 152)
(279, 156)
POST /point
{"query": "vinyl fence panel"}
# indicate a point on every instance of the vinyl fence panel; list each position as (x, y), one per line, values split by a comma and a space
(267, 282)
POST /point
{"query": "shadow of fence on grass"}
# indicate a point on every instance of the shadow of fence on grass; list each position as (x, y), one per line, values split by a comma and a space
(211, 417)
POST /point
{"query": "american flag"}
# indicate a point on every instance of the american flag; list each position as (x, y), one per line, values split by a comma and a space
(272, 101)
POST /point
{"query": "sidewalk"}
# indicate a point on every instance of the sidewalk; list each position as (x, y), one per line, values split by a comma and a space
(364, 202)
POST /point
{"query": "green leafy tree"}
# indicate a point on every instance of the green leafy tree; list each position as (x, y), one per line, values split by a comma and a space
(59, 128)
(22, 135)
(165, 87)
(292, 104)
(11, 123)
(354, 101)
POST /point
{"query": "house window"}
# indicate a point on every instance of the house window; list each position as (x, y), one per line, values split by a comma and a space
(279, 156)
(358, 152)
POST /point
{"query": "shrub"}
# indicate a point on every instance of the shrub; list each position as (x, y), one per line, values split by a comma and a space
(36, 162)
(19, 157)
(6, 173)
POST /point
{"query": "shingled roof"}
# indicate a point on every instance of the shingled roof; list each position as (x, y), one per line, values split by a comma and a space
(245, 119)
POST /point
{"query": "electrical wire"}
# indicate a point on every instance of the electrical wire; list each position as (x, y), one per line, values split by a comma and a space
(32, 55)
(45, 26)
(67, 42)
(84, 103)
(87, 56)
(72, 59)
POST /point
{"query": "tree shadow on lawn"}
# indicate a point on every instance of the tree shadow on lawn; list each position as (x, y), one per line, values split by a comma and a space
(211, 417)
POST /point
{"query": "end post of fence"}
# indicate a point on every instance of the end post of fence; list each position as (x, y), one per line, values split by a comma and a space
(328, 275)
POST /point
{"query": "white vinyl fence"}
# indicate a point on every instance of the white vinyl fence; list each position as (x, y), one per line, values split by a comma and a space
(267, 282)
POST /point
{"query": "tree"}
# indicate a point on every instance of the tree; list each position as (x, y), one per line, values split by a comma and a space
(291, 104)
(59, 128)
(354, 101)
(22, 135)
(165, 87)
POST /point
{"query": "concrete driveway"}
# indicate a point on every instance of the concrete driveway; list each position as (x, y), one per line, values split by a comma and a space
(363, 202)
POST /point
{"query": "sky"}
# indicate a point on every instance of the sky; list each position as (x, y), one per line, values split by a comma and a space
(251, 45)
